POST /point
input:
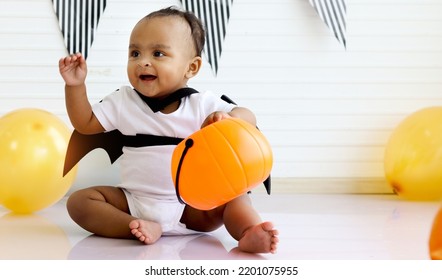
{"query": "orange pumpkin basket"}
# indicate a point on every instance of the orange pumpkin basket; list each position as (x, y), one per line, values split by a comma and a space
(436, 237)
(220, 162)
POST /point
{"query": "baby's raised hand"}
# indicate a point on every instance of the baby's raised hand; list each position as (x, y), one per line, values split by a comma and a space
(214, 117)
(73, 69)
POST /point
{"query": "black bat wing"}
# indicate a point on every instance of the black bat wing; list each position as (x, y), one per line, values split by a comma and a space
(112, 142)
(80, 145)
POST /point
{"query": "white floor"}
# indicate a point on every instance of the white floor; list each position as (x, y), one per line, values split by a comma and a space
(312, 227)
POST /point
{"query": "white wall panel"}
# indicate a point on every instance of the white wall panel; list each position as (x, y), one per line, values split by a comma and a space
(328, 111)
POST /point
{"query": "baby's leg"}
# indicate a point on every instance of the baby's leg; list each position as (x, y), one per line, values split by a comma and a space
(244, 224)
(105, 212)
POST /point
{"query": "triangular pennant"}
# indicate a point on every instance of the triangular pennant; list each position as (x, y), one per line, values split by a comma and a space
(78, 21)
(333, 13)
(215, 15)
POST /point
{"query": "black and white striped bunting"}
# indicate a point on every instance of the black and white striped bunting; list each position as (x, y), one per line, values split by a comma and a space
(78, 21)
(215, 15)
(333, 13)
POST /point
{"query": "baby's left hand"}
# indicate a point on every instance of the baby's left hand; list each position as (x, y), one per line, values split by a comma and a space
(214, 117)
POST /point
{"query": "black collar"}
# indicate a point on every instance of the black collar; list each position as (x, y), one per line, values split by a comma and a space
(156, 104)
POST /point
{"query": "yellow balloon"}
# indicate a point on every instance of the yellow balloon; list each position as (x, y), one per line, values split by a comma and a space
(33, 146)
(1, 197)
(413, 156)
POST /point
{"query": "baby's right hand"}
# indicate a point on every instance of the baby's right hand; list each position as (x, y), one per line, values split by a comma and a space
(73, 69)
(215, 117)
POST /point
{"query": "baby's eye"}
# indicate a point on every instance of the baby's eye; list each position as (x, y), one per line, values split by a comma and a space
(134, 53)
(158, 54)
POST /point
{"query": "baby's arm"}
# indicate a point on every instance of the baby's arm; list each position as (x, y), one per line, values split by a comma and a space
(237, 112)
(73, 69)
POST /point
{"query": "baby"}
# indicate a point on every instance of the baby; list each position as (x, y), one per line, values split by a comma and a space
(164, 53)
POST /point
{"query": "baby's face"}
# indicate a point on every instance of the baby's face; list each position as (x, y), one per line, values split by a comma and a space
(160, 54)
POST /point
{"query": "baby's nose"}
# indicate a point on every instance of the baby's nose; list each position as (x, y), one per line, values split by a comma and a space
(144, 64)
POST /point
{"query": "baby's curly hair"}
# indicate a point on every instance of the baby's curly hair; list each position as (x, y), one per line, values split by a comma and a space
(196, 27)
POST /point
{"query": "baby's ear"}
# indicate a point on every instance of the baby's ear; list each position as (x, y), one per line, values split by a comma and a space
(194, 67)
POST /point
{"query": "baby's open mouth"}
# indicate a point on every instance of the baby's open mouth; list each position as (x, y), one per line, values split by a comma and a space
(147, 77)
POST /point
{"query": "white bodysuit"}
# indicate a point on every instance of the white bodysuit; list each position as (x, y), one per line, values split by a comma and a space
(146, 171)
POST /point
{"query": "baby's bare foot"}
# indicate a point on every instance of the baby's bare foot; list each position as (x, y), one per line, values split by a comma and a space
(146, 231)
(261, 238)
